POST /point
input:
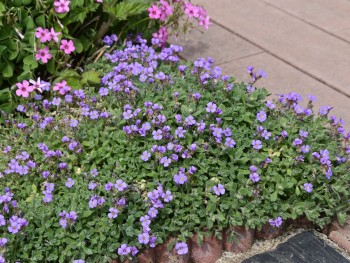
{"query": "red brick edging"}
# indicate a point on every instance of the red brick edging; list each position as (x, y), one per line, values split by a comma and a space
(210, 250)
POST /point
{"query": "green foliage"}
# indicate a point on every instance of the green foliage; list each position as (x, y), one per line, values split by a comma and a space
(104, 144)
(86, 23)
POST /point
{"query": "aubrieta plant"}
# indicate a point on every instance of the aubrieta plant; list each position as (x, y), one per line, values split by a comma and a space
(161, 149)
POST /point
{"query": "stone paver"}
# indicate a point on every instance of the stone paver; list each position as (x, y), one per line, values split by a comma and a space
(331, 16)
(216, 42)
(307, 48)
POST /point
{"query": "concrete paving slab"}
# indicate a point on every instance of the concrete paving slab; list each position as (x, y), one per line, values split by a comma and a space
(282, 78)
(303, 46)
(216, 42)
(331, 16)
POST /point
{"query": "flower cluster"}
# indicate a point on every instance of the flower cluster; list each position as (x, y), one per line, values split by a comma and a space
(277, 222)
(165, 11)
(67, 218)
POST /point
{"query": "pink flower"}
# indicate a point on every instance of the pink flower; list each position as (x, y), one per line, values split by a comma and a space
(61, 6)
(62, 87)
(37, 84)
(205, 22)
(54, 35)
(154, 12)
(99, 1)
(166, 10)
(162, 35)
(43, 34)
(24, 89)
(191, 10)
(67, 46)
(43, 55)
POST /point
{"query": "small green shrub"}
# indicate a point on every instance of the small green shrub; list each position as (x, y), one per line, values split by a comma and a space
(34, 34)
(161, 149)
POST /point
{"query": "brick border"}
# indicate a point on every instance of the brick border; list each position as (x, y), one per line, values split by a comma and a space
(210, 250)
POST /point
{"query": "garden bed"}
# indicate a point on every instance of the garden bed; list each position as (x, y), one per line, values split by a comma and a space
(164, 155)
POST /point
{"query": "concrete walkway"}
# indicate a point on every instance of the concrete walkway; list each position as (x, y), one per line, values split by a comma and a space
(304, 46)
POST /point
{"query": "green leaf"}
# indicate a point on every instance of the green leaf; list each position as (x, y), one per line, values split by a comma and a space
(29, 60)
(273, 197)
(78, 45)
(7, 72)
(90, 77)
(127, 8)
(50, 66)
(40, 21)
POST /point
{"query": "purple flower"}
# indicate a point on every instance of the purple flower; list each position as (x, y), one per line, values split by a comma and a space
(217, 132)
(63, 223)
(180, 178)
(270, 105)
(181, 248)
(69, 183)
(103, 92)
(167, 196)
(190, 121)
(308, 187)
(266, 135)
(152, 212)
(230, 142)
(165, 161)
(157, 135)
(113, 213)
(127, 115)
(253, 168)
(143, 238)
(62, 166)
(284, 134)
(145, 156)
(324, 110)
(219, 189)
(2, 220)
(254, 177)
(120, 185)
(312, 98)
(109, 186)
(303, 134)
(92, 185)
(256, 144)
(93, 115)
(276, 222)
(193, 147)
(329, 173)
(305, 148)
(56, 101)
(211, 107)
(192, 169)
(261, 116)
(180, 132)
(94, 172)
(297, 141)
(134, 251)
(3, 241)
(73, 123)
(124, 250)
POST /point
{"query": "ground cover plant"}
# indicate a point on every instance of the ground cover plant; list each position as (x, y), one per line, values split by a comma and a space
(160, 149)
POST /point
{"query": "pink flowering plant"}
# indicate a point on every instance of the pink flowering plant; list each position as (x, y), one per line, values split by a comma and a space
(56, 38)
(161, 149)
